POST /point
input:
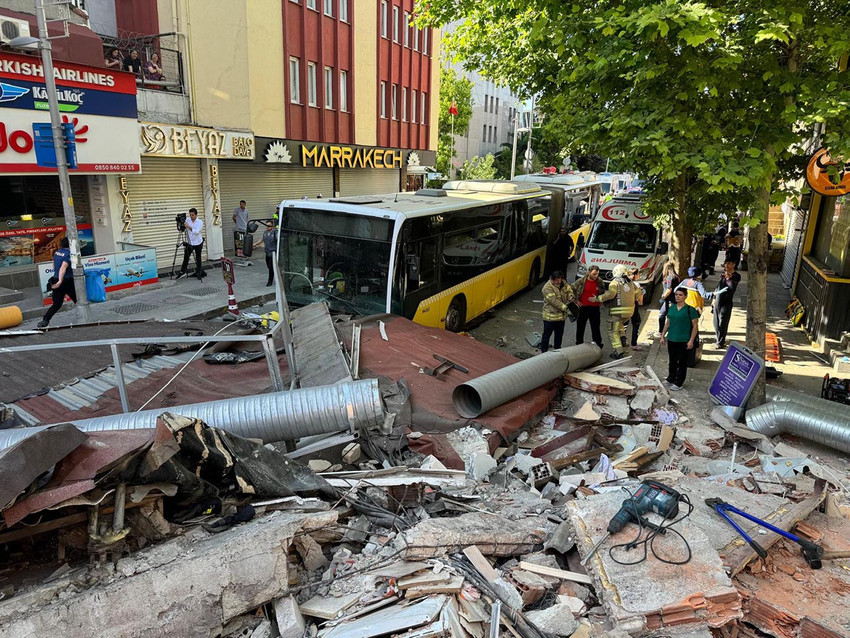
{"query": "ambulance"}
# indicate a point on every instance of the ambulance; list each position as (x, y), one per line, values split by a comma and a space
(622, 233)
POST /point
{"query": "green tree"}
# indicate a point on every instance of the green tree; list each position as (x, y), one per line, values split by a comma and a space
(701, 98)
(458, 88)
(478, 168)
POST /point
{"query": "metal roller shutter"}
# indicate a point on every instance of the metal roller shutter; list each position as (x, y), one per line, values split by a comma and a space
(263, 187)
(368, 181)
(165, 188)
(793, 242)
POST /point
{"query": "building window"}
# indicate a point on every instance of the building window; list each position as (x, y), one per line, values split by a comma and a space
(486, 103)
(343, 91)
(384, 19)
(329, 87)
(413, 107)
(395, 24)
(329, 8)
(383, 99)
(343, 10)
(832, 239)
(496, 134)
(404, 104)
(294, 80)
(415, 39)
(424, 41)
(311, 4)
(395, 92)
(424, 119)
(484, 133)
(311, 83)
(406, 29)
(497, 106)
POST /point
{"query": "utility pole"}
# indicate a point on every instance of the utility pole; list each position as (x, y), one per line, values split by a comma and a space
(513, 150)
(82, 306)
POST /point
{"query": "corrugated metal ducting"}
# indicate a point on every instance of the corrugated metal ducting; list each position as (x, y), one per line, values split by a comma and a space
(368, 181)
(263, 187)
(165, 187)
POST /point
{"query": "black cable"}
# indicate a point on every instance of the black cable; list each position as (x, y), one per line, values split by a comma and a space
(649, 541)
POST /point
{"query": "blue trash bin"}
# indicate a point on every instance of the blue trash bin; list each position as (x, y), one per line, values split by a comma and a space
(95, 285)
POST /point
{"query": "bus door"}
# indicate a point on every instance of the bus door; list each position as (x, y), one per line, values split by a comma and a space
(419, 272)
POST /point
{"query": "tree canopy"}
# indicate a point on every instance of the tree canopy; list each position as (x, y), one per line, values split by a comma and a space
(458, 88)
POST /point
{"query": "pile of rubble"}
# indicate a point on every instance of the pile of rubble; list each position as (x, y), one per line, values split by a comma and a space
(197, 530)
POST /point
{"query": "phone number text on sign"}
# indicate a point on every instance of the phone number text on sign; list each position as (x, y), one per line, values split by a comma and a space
(116, 167)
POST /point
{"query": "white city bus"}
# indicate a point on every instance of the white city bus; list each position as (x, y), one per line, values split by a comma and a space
(439, 257)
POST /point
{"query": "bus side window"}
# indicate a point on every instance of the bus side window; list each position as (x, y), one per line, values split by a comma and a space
(520, 221)
(539, 213)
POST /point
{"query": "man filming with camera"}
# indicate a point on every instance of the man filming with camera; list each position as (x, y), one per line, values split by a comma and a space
(193, 244)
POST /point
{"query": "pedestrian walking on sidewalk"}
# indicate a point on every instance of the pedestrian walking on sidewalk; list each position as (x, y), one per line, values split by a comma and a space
(194, 243)
(240, 218)
(585, 289)
(62, 282)
(734, 244)
(680, 333)
(269, 242)
(729, 279)
(556, 297)
(635, 320)
(669, 280)
(620, 301)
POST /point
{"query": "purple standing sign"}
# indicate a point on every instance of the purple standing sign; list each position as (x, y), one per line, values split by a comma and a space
(736, 375)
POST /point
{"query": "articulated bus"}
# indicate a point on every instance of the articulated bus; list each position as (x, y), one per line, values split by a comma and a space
(437, 256)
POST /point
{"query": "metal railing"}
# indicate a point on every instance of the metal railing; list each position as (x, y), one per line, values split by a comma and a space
(267, 340)
(163, 45)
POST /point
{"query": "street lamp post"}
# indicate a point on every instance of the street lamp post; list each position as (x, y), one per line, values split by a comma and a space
(44, 46)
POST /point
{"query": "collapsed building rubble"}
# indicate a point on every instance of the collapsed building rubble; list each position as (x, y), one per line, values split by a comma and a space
(420, 521)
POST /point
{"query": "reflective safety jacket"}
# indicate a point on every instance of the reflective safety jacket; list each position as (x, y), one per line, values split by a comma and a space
(555, 301)
(620, 297)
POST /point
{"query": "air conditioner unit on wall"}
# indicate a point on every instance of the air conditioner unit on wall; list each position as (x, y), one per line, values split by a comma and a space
(11, 28)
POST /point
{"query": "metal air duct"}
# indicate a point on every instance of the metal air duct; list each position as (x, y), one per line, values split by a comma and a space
(277, 416)
(474, 398)
(813, 423)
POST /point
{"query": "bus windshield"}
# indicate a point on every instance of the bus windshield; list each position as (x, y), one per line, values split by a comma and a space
(623, 236)
(335, 257)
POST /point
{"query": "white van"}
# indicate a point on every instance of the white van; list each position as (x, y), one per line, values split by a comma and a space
(623, 234)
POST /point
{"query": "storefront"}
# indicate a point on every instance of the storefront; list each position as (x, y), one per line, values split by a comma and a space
(287, 169)
(823, 284)
(181, 170)
(101, 105)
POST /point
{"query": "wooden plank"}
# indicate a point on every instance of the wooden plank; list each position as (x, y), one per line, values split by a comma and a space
(421, 580)
(598, 383)
(481, 564)
(586, 455)
(611, 364)
(328, 607)
(556, 573)
(453, 586)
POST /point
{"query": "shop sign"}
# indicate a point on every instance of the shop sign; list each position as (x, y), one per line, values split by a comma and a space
(101, 105)
(215, 193)
(819, 178)
(334, 156)
(168, 140)
(23, 243)
(736, 376)
(127, 269)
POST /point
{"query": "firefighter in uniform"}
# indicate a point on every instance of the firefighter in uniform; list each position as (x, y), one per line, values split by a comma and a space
(620, 301)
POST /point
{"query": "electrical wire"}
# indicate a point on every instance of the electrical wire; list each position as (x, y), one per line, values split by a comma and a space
(185, 365)
(652, 534)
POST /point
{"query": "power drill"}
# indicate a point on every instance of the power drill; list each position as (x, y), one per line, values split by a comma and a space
(650, 496)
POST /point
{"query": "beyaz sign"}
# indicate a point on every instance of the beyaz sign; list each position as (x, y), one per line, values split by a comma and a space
(99, 103)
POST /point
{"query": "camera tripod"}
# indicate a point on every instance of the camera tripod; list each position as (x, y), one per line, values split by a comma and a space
(181, 241)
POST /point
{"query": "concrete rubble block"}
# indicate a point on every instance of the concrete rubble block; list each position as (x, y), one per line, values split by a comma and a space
(311, 553)
(493, 534)
(652, 595)
(576, 605)
(614, 407)
(641, 403)
(547, 560)
(319, 465)
(290, 621)
(479, 465)
(351, 453)
(530, 586)
(263, 630)
(524, 462)
(556, 620)
(431, 462)
(467, 441)
(188, 586)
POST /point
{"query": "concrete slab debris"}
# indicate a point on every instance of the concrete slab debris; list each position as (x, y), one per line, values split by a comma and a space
(556, 620)
(328, 607)
(390, 621)
(288, 617)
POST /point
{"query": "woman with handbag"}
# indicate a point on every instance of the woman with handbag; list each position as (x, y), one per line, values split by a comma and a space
(680, 333)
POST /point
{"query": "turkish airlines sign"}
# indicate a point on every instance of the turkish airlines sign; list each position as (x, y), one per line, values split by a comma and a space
(100, 103)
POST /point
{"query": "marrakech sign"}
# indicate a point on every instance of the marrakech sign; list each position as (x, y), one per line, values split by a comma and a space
(819, 178)
(168, 140)
(334, 156)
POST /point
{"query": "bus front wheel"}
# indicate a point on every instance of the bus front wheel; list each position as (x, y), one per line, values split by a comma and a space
(534, 275)
(456, 315)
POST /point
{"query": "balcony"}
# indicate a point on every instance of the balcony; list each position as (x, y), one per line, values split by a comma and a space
(163, 94)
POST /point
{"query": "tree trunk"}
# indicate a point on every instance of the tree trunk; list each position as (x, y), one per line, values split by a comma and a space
(683, 233)
(757, 289)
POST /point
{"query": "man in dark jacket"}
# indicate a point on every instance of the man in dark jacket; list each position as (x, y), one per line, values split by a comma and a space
(729, 280)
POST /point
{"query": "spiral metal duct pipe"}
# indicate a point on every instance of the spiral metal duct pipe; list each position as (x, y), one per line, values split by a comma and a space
(277, 416)
(781, 395)
(474, 398)
(813, 423)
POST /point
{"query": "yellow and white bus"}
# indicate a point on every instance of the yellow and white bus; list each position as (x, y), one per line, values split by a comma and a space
(438, 256)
